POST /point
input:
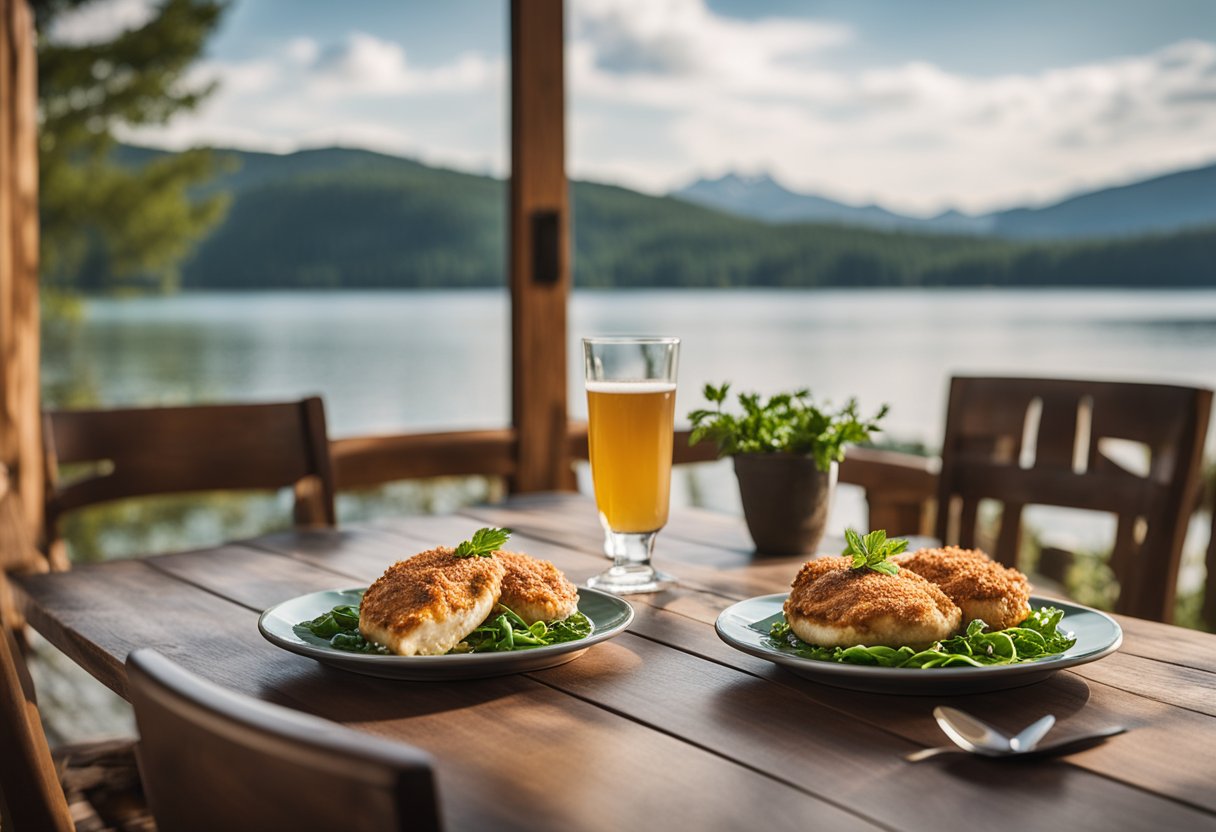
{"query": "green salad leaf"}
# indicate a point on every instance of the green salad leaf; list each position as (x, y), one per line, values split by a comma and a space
(507, 631)
(483, 544)
(502, 631)
(872, 551)
(1038, 637)
(340, 627)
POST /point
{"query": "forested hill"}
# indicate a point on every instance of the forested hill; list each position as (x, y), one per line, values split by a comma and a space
(352, 218)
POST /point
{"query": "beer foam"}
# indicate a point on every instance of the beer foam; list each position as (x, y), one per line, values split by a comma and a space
(631, 387)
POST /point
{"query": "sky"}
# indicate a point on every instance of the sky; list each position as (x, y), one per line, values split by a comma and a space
(918, 106)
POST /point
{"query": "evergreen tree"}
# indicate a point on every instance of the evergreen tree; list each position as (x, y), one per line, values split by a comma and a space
(104, 224)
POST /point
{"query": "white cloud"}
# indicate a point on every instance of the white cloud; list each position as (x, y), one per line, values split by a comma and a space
(763, 95)
(366, 65)
(661, 92)
(100, 21)
(362, 91)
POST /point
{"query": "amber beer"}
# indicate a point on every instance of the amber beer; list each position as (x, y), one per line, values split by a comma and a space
(630, 436)
(631, 401)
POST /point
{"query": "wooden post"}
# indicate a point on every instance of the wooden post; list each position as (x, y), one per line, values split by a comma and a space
(539, 246)
(20, 425)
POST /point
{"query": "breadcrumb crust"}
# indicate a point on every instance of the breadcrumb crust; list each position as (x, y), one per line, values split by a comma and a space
(434, 595)
(535, 589)
(842, 607)
(981, 587)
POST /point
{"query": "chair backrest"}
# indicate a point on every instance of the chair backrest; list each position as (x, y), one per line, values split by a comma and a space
(214, 759)
(166, 450)
(1048, 442)
(30, 795)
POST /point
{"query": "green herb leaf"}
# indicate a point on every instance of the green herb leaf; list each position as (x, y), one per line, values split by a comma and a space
(885, 567)
(872, 551)
(483, 544)
(784, 423)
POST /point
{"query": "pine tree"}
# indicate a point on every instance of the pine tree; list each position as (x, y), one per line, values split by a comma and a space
(107, 224)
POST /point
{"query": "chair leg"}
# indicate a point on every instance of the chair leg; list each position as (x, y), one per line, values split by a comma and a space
(11, 617)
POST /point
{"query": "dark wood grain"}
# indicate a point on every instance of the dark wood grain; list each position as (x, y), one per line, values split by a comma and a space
(666, 707)
(658, 682)
(477, 731)
(257, 580)
(1079, 703)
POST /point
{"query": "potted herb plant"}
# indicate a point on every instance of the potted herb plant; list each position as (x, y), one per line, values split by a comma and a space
(785, 451)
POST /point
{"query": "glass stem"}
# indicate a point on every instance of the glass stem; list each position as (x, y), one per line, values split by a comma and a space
(630, 552)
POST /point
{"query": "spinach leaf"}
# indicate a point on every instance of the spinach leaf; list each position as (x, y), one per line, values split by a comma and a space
(1039, 636)
(503, 630)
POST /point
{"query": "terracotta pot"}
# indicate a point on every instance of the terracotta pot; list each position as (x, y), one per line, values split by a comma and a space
(785, 501)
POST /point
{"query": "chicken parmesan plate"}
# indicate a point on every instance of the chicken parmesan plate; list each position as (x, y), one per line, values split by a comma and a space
(451, 612)
(939, 620)
(747, 626)
(609, 616)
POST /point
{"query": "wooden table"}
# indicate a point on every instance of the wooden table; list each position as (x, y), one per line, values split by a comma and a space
(665, 724)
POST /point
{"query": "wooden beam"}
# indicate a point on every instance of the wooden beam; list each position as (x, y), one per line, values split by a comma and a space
(20, 426)
(539, 246)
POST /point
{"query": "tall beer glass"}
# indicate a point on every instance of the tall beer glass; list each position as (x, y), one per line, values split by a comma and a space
(631, 401)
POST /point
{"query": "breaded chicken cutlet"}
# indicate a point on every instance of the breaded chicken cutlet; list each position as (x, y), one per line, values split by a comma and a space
(833, 605)
(981, 587)
(535, 589)
(426, 605)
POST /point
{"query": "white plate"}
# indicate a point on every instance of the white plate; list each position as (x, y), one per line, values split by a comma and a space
(1096, 632)
(609, 616)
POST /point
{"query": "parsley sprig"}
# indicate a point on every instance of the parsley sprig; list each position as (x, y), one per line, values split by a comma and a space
(483, 544)
(872, 551)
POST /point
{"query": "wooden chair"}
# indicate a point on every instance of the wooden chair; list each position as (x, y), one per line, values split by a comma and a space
(1207, 613)
(213, 759)
(30, 796)
(167, 450)
(85, 787)
(1046, 442)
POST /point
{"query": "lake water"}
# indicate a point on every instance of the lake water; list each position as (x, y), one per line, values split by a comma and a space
(394, 361)
(415, 360)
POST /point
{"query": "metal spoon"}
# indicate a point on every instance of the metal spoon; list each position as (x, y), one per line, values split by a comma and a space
(971, 734)
(1064, 746)
(1029, 737)
(979, 737)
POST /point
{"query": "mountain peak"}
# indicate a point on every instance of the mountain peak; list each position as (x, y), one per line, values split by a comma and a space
(750, 179)
(760, 196)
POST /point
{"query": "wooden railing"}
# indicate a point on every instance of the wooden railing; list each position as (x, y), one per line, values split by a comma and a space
(366, 461)
(899, 487)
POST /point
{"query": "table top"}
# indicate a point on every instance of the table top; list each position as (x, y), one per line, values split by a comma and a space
(665, 718)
